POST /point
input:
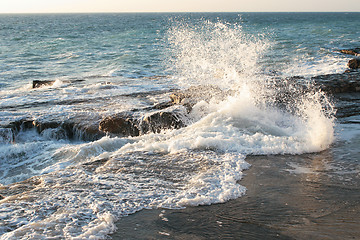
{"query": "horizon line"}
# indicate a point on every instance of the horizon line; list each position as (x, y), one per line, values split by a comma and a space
(1, 13)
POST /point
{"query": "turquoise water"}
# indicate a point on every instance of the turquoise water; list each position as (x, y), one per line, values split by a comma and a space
(77, 46)
(134, 45)
(106, 64)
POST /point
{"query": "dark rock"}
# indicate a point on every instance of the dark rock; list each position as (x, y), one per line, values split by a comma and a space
(354, 63)
(21, 125)
(41, 126)
(119, 124)
(348, 82)
(355, 51)
(289, 90)
(39, 84)
(127, 124)
(78, 127)
(165, 115)
(161, 120)
(42, 83)
(87, 131)
(348, 104)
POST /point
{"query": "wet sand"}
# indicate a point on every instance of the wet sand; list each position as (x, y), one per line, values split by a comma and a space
(311, 196)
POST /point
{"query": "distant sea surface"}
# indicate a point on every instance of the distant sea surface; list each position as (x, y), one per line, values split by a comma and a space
(61, 186)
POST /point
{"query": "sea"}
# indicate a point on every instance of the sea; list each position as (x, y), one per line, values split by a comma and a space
(59, 186)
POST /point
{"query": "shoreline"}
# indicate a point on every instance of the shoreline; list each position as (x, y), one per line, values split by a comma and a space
(167, 114)
(280, 203)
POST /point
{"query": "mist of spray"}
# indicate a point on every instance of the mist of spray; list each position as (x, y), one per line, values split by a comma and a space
(222, 54)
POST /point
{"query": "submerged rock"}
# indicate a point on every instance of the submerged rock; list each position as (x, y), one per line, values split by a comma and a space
(160, 120)
(127, 125)
(119, 124)
(20, 125)
(79, 127)
(355, 51)
(41, 126)
(39, 84)
(42, 83)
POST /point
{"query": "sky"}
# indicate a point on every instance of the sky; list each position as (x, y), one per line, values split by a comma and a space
(69, 6)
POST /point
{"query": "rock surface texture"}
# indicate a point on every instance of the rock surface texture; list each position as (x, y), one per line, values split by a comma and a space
(355, 51)
(354, 63)
(172, 114)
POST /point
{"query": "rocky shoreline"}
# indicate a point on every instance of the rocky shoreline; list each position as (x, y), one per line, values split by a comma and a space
(355, 62)
(172, 114)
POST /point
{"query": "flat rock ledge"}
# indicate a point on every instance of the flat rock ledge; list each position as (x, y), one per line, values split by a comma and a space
(348, 82)
(44, 83)
(130, 126)
(173, 114)
(355, 51)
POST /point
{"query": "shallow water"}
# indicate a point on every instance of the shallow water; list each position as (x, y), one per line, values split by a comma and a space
(305, 196)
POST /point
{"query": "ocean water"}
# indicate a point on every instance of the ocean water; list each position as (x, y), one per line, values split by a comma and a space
(77, 187)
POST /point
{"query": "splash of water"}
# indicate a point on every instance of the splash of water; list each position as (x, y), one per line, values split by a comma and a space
(295, 115)
(214, 53)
